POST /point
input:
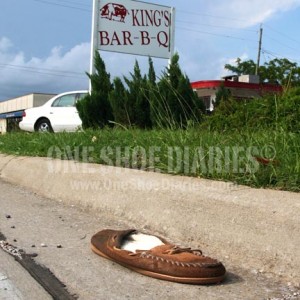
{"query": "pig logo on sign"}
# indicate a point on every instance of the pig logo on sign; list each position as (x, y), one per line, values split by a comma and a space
(114, 12)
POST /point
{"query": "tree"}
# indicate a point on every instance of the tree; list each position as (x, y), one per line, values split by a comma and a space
(131, 104)
(137, 99)
(140, 101)
(242, 67)
(95, 110)
(118, 101)
(174, 103)
(280, 71)
(151, 73)
(222, 95)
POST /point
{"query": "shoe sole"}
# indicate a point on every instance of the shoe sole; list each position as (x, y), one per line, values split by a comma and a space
(189, 280)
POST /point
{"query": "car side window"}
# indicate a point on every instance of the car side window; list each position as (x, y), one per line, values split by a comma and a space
(65, 101)
(80, 96)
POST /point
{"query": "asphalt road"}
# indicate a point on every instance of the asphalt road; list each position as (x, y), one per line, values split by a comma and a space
(60, 236)
(16, 283)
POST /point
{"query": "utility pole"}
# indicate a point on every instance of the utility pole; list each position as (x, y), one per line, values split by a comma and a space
(259, 49)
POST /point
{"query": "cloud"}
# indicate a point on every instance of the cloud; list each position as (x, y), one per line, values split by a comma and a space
(202, 56)
(58, 72)
(5, 44)
(204, 50)
(248, 13)
(231, 61)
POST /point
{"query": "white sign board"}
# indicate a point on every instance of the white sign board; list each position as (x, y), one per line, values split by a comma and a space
(134, 27)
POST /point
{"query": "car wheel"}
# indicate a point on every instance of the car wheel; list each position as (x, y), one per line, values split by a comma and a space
(43, 125)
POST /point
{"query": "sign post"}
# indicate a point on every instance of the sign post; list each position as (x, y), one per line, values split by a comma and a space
(132, 27)
(93, 39)
(172, 35)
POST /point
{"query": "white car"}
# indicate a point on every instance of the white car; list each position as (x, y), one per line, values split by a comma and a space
(57, 114)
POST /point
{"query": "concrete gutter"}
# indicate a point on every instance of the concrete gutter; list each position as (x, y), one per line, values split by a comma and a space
(256, 229)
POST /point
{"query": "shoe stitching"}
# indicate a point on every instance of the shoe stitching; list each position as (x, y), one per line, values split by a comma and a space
(174, 262)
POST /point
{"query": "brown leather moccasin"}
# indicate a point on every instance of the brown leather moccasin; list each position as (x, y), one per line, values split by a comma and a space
(155, 257)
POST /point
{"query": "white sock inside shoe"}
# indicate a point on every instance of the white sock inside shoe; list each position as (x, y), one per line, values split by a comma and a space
(140, 241)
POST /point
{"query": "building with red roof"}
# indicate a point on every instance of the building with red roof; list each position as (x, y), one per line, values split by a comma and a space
(240, 87)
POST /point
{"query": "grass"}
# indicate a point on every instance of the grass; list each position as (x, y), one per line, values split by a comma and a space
(255, 143)
(263, 158)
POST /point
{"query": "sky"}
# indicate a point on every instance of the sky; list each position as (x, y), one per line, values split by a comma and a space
(45, 44)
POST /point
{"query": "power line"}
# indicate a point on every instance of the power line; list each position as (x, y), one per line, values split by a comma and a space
(63, 5)
(217, 26)
(283, 34)
(45, 69)
(188, 29)
(185, 12)
(89, 10)
(46, 72)
(282, 44)
(211, 16)
(180, 28)
(276, 55)
(76, 3)
(215, 34)
(84, 7)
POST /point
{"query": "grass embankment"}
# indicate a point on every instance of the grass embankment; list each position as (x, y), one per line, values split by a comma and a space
(264, 158)
(256, 143)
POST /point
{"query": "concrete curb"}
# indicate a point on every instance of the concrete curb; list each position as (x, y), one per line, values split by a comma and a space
(252, 228)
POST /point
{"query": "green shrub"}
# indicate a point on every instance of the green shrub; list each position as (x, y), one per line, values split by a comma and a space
(137, 97)
(95, 110)
(276, 112)
(174, 104)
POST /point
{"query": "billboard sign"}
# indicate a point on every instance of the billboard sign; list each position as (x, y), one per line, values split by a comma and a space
(134, 27)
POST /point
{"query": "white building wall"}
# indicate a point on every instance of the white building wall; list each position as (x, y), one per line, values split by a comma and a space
(24, 102)
(2, 126)
(249, 78)
(16, 104)
(40, 99)
(19, 104)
